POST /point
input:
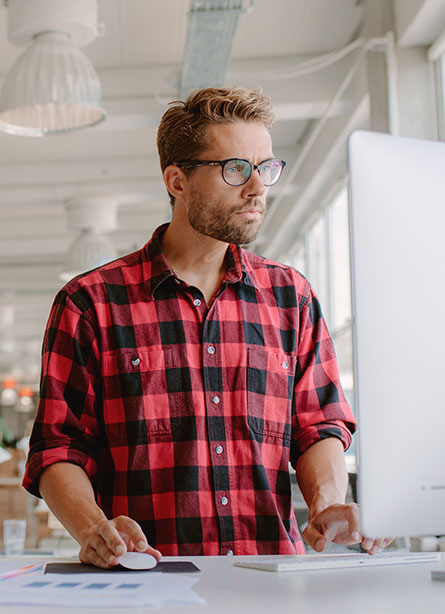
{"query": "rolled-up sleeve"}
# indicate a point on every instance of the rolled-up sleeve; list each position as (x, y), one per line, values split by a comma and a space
(66, 428)
(320, 409)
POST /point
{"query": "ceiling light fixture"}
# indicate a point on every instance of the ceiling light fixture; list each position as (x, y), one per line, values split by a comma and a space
(91, 217)
(52, 87)
(88, 251)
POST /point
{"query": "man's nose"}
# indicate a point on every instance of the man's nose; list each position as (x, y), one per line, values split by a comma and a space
(255, 186)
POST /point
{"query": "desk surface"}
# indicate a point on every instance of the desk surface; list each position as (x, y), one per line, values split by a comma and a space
(232, 590)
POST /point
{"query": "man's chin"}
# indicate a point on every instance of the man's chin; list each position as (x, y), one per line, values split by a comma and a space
(252, 232)
(235, 234)
(246, 238)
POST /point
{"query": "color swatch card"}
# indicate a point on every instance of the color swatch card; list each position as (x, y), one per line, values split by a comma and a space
(101, 590)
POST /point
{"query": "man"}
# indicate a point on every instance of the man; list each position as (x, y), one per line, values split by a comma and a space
(179, 381)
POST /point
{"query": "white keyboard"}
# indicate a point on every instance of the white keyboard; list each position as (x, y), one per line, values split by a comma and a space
(336, 561)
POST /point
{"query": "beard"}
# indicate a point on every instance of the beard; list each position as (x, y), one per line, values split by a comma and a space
(213, 218)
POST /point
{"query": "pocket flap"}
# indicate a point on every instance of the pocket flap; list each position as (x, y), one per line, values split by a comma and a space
(134, 361)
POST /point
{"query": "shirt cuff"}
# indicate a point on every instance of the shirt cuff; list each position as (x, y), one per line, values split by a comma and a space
(38, 461)
(311, 434)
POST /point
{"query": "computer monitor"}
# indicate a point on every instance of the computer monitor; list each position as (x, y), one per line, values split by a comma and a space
(397, 228)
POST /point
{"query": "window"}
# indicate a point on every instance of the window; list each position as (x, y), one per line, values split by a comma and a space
(317, 261)
(439, 87)
(340, 317)
(323, 257)
(339, 261)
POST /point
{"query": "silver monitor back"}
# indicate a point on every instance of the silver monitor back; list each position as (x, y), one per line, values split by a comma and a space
(397, 227)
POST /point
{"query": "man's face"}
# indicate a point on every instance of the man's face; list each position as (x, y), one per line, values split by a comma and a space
(232, 214)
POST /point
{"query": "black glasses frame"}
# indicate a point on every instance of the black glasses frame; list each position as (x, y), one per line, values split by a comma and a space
(222, 163)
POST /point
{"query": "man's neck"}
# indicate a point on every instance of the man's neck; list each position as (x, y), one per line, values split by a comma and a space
(195, 258)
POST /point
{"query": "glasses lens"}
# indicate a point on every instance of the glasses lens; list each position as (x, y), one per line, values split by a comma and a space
(270, 171)
(237, 172)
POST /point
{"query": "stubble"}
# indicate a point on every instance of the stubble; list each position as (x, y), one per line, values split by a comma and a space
(215, 219)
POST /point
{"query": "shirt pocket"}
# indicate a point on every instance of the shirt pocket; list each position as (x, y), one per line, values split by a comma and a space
(136, 395)
(270, 385)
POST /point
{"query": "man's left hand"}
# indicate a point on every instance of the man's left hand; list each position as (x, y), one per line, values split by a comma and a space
(340, 523)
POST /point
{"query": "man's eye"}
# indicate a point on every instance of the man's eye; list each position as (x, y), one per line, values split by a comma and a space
(233, 169)
(271, 166)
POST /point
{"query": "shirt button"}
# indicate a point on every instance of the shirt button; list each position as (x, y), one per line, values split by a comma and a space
(285, 364)
(216, 399)
(219, 449)
(211, 349)
(224, 500)
(229, 552)
(197, 302)
(136, 361)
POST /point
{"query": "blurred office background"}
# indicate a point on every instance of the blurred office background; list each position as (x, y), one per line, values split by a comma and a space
(72, 199)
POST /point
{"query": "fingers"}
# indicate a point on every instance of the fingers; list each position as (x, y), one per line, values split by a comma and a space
(110, 539)
(373, 546)
(354, 523)
(153, 552)
(112, 533)
(316, 540)
(133, 537)
(346, 513)
(339, 523)
(90, 554)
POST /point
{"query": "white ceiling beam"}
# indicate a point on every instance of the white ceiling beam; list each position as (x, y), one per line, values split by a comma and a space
(82, 144)
(25, 329)
(41, 276)
(325, 162)
(35, 221)
(130, 105)
(309, 110)
(15, 250)
(292, 219)
(418, 22)
(437, 49)
(130, 114)
(159, 83)
(44, 172)
(41, 172)
(124, 191)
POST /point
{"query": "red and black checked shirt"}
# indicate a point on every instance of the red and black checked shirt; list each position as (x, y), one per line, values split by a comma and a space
(185, 417)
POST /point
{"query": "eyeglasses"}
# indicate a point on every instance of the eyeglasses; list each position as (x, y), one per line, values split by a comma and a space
(237, 171)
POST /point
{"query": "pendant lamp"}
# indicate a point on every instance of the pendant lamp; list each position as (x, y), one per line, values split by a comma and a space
(52, 88)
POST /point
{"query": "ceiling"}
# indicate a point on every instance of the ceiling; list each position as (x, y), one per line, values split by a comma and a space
(139, 61)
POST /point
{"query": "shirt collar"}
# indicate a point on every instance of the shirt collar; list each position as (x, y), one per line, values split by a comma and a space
(237, 269)
(156, 269)
(154, 265)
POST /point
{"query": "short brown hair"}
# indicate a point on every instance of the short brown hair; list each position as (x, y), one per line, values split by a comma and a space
(182, 133)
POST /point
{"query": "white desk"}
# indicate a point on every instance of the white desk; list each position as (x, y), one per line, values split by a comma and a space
(398, 589)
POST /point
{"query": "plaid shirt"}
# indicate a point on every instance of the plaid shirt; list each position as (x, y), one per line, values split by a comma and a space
(185, 417)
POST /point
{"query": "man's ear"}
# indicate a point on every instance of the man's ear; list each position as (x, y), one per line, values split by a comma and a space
(175, 180)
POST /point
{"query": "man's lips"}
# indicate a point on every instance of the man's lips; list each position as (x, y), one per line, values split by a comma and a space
(251, 214)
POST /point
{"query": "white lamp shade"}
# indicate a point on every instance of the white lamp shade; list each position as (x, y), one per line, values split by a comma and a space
(88, 251)
(51, 88)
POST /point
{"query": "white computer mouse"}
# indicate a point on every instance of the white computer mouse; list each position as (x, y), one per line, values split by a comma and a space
(137, 560)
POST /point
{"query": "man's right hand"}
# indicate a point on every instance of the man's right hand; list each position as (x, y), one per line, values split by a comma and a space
(70, 496)
(109, 539)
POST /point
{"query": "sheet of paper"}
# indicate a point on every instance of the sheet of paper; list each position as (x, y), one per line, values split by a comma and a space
(114, 590)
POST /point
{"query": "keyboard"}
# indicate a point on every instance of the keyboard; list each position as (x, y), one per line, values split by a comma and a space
(309, 562)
